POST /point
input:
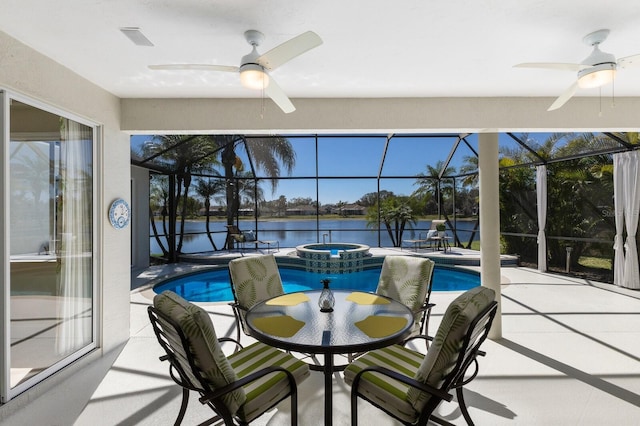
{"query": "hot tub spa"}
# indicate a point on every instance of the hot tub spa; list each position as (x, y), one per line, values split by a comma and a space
(323, 251)
(333, 257)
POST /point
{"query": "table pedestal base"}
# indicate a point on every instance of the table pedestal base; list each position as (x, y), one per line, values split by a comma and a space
(328, 389)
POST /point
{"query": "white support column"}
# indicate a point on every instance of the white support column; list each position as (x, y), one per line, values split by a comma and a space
(490, 222)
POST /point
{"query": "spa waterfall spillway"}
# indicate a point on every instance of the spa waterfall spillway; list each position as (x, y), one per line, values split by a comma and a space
(333, 258)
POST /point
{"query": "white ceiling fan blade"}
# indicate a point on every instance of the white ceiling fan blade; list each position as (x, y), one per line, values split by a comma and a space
(564, 97)
(197, 67)
(629, 61)
(278, 96)
(289, 50)
(553, 66)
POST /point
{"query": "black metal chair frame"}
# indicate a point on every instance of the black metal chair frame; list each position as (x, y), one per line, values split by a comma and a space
(426, 312)
(237, 307)
(209, 396)
(470, 350)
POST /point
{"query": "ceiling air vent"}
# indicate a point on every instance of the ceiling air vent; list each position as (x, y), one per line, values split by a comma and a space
(135, 35)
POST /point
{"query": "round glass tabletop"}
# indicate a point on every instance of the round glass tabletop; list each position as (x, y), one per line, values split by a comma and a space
(359, 322)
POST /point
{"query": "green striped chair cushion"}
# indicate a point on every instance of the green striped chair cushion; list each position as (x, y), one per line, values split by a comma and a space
(406, 279)
(387, 392)
(205, 348)
(255, 279)
(262, 393)
(444, 350)
(407, 402)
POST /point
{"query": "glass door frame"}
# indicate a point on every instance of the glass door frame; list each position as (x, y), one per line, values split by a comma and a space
(6, 392)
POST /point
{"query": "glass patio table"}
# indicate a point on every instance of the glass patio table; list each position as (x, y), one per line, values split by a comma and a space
(359, 322)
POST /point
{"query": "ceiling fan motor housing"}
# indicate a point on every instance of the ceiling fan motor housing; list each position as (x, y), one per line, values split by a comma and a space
(252, 74)
(602, 69)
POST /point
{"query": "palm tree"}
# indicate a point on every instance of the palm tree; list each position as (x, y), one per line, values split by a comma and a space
(469, 168)
(268, 154)
(183, 156)
(249, 190)
(395, 213)
(431, 183)
(208, 189)
(158, 199)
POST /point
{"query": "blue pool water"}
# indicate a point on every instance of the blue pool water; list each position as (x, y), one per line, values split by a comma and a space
(213, 285)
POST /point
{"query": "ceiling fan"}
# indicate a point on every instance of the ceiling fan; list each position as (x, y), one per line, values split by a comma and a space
(254, 67)
(597, 70)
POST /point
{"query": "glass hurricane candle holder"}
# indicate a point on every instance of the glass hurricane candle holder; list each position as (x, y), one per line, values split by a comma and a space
(326, 300)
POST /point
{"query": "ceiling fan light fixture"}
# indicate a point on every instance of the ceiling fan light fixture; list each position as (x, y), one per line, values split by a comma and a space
(597, 76)
(253, 76)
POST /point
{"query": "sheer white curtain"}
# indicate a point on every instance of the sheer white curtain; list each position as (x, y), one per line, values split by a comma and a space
(618, 203)
(541, 193)
(631, 277)
(75, 212)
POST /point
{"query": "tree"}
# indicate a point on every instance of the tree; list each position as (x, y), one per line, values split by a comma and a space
(469, 169)
(431, 184)
(576, 188)
(518, 209)
(182, 156)
(159, 194)
(302, 201)
(371, 198)
(207, 189)
(395, 213)
(281, 206)
(266, 154)
(249, 191)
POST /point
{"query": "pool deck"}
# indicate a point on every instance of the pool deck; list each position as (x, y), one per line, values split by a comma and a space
(569, 355)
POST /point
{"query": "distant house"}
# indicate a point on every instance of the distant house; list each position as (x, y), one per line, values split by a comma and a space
(350, 210)
(213, 211)
(301, 211)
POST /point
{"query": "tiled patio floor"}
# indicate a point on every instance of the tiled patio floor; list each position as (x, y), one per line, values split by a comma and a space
(570, 355)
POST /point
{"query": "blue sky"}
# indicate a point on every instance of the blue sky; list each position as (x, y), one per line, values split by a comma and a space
(361, 156)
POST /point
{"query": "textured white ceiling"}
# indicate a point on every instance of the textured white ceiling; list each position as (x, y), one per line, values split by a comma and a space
(374, 48)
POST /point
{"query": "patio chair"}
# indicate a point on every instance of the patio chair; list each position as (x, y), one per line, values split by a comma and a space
(241, 238)
(437, 234)
(408, 385)
(238, 388)
(253, 279)
(234, 235)
(408, 279)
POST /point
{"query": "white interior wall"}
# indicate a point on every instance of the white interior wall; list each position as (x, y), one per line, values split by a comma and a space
(31, 74)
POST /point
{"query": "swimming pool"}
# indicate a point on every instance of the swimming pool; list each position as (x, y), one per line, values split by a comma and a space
(213, 285)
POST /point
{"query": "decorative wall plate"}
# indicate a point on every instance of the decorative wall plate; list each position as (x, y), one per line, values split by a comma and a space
(119, 214)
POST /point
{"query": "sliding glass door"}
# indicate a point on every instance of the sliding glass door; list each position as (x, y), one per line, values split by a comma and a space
(48, 256)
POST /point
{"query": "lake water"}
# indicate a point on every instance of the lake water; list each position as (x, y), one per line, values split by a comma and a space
(291, 233)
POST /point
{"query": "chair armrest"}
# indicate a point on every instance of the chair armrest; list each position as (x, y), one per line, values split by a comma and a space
(426, 307)
(174, 373)
(236, 305)
(230, 339)
(248, 379)
(419, 336)
(401, 378)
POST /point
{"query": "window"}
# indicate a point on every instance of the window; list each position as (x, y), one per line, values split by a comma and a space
(48, 254)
